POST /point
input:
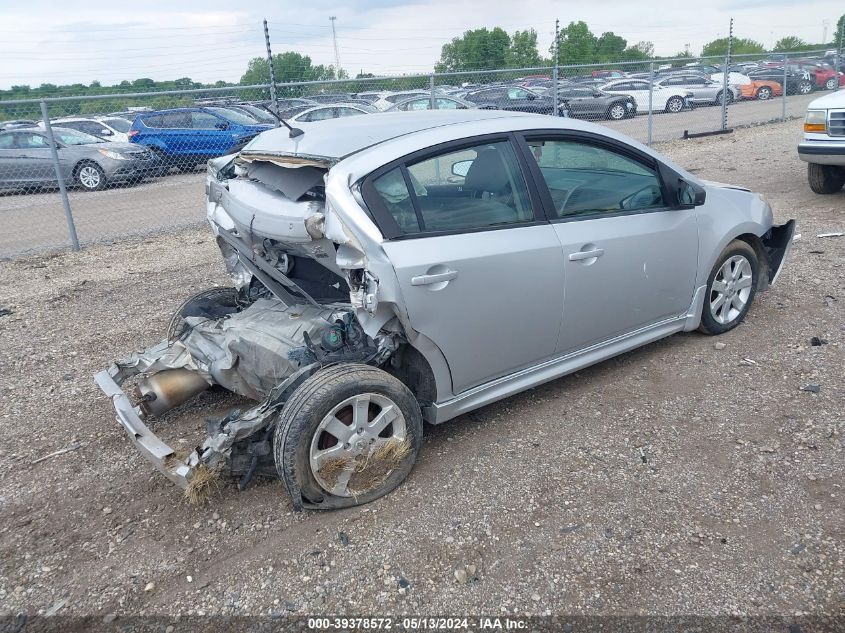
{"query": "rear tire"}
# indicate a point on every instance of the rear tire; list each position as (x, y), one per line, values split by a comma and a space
(764, 93)
(727, 95)
(825, 179)
(805, 88)
(328, 471)
(731, 287)
(830, 84)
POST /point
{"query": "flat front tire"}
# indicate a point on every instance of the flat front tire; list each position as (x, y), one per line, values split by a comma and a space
(825, 179)
(348, 435)
(731, 287)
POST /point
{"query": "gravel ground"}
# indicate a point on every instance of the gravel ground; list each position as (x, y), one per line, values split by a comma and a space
(676, 479)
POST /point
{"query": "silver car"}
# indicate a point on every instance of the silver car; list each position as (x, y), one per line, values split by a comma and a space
(86, 161)
(409, 267)
(704, 90)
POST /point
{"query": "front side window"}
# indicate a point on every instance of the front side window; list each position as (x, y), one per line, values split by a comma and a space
(518, 93)
(206, 121)
(7, 141)
(586, 180)
(473, 188)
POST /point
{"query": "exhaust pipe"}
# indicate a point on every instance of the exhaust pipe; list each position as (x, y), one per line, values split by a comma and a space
(169, 388)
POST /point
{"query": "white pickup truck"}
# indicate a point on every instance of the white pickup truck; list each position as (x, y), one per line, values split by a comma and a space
(823, 147)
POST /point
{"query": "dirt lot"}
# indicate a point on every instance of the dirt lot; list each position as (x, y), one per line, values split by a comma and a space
(677, 479)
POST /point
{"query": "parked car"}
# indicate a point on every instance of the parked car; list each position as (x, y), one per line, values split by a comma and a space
(798, 80)
(387, 99)
(823, 75)
(409, 230)
(334, 111)
(513, 98)
(424, 103)
(108, 128)
(8, 125)
(663, 98)
(183, 137)
(702, 89)
(337, 98)
(760, 89)
(823, 147)
(589, 103)
(287, 104)
(259, 115)
(86, 161)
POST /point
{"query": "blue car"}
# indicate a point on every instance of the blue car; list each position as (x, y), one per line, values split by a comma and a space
(184, 137)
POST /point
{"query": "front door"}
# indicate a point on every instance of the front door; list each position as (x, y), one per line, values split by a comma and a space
(479, 269)
(630, 262)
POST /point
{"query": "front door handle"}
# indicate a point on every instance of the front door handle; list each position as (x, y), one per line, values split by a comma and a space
(424, 280)
(597, 252)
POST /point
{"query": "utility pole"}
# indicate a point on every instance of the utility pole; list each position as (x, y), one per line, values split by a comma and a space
(825, 23)
(273, 96)
(556, 72)
(838, 59)
(725, 87)
(336, 53)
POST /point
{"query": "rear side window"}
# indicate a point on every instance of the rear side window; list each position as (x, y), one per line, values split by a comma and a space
(7, 141)
(473, 188)
(154, 121)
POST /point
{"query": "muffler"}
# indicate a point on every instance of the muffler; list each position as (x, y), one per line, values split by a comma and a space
(169, 388)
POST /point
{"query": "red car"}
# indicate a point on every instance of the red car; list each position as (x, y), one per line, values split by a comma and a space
(825, 75)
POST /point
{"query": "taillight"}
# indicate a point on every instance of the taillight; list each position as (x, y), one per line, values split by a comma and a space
(132, 133)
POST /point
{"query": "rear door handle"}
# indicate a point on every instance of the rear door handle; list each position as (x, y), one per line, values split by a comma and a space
(574, 257)
(424, 280)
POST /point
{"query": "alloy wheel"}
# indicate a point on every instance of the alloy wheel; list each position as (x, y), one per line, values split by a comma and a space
(731, 289)
(89, 176)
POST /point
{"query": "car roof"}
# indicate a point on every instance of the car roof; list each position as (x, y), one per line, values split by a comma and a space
(337, 138)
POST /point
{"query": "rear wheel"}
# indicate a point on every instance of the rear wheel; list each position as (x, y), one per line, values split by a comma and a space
(722, 94)
(825, 179)
(730, 288)
(764, 93)
(90, 176)
(830, 84)
(805, 88)
(347, 436)
(674, 104)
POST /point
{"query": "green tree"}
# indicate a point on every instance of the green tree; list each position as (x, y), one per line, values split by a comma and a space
(288, 66)
(475, 50)
(741, 46)
(610, 47)
(577, 44)
(523, 52)
(839, 24)
(790, 43)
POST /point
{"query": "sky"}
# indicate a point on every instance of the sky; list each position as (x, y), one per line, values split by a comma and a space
(208, 40)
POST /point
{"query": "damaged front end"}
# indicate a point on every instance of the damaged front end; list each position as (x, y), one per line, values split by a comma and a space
(303, 299)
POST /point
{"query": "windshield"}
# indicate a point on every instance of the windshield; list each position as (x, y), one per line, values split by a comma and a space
(121, 125)
(234, 116)
(73, 137)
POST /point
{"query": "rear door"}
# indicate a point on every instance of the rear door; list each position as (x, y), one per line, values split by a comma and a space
(630, 261)
(34, 158)
(479, 268)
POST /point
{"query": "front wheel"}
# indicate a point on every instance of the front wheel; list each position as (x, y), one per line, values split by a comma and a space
(730, 288)
(727, 95)
(674, 104)
(805, 88)
(347, 436)
(616, 112)
(830, 84)
(764, 93)
(825, 179)
(90, 176)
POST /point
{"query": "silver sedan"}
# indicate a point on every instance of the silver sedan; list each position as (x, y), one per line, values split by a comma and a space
(85, 161)
(403, 267)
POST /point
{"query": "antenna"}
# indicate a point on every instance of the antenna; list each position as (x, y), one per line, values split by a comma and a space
(336, 53)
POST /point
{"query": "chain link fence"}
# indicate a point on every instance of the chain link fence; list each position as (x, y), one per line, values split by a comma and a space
(81, 170)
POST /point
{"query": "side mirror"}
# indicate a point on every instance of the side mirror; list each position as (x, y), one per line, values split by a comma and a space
(105, 132)
(690, 195)
(596, 95)
(461, 168)
(222, 126)
(531, 96)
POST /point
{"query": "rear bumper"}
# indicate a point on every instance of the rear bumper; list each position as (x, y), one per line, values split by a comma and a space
(148, 444)
(823, 152)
